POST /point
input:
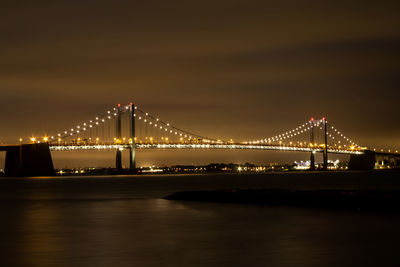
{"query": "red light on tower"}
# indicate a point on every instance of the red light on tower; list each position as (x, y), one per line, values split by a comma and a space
(312, 119)
(323, 118)
(130, 103)
(119, 105)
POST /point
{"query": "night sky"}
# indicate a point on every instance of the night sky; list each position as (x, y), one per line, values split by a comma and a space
(226, 69)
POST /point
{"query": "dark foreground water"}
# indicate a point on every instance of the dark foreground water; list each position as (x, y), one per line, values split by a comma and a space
(122, 221)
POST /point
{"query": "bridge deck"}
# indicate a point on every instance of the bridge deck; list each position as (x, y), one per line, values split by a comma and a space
(69, 147)
(201, 146)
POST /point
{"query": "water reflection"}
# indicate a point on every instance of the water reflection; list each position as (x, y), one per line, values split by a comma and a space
(83, 224)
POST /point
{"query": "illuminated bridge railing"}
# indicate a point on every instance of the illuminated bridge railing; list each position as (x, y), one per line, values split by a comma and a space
(201, 146)
(88, 147)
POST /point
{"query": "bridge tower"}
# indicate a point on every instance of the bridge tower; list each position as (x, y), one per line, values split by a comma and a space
(325, 153)
(312, 156)
(118, 158)
(132, 155)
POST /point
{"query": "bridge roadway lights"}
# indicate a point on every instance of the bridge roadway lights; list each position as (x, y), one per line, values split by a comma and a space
(29, 160)
(200, 146)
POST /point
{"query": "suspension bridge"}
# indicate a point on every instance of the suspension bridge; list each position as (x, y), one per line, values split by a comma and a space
(127, 127)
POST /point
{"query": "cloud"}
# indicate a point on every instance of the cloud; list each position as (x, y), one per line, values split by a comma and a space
(262, 64)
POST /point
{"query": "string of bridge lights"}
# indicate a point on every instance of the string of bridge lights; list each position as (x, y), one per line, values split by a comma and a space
(300, 129)
(303, 128)
(85, 126)
(155, 122)
(144, 117)
(333, 133)
(340, 135)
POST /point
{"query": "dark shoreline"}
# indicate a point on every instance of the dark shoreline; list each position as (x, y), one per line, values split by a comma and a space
(376, 200)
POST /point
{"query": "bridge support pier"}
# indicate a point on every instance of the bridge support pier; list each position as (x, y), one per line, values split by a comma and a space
(118, 160)
(118, 157)
(312, 156)
(29, 160)
(132, 154)
(365, 161)
(325, 152)
(132, 160)
(312, 161)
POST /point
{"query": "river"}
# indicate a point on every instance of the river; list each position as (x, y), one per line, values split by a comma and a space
(123, 221)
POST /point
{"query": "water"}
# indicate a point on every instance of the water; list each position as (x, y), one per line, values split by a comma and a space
(122, 221)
